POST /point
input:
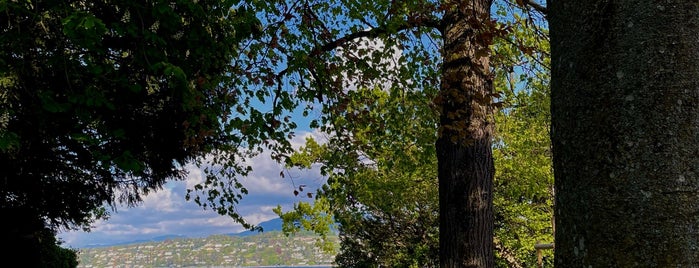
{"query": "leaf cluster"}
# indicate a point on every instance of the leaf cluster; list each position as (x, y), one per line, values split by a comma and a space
(381, 188)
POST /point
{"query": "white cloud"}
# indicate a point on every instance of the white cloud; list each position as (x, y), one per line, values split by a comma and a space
(264, 213)
(165, 212)
(362, 51)
(194, 176)
(300, 140)
(126, 230)
(162, 200)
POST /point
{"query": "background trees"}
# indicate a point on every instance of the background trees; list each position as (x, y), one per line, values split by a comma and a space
(382, 181)
(624, 110)
(101, 102)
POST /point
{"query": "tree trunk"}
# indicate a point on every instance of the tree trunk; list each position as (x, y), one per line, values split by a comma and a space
(465, 162)
(625, 111)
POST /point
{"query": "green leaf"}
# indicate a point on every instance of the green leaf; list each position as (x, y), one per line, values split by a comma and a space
(9, 142)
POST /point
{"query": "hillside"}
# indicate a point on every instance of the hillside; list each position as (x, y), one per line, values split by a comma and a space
(267, 248)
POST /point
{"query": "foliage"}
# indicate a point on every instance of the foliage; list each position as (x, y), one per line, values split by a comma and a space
(379, 157)
(381, 187)
(318, 52)
(34, 241)
(54, 255)
(523, 197)
(524, 179)
(103, 101)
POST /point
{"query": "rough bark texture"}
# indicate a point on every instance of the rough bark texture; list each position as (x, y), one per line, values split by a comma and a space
(625, 111)
(464, 146)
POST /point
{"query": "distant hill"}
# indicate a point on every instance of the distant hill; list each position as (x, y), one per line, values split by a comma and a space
(267, 226)
(269, 248)
(274, 225)
(152, 239)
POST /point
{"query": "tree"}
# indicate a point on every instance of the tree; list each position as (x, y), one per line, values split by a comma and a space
(102, 102)
(34, 241)
(464, 156)
(379, 158)
(625, 133)
(318, 48)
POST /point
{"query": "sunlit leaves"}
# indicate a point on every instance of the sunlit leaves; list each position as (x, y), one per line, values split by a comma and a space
(524, 176)
(381, 186)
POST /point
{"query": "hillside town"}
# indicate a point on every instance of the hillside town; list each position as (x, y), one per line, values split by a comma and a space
(264, 249)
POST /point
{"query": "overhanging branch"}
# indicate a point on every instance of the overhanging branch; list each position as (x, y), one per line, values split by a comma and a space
(376, 32)
(412, 22)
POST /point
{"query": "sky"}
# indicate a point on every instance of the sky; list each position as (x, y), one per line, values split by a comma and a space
(165, 212)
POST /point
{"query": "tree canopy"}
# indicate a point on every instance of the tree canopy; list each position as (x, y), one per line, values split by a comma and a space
(102, 102)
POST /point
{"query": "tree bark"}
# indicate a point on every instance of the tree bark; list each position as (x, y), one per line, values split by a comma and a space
(465, 162)
(625, 112)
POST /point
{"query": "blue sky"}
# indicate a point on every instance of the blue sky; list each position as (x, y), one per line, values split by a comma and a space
(166, 212)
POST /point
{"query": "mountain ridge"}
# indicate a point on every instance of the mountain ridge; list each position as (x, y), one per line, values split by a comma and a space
(267, 226)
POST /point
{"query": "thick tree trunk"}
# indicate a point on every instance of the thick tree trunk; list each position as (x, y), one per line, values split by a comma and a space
(464, 145)
(625, 111)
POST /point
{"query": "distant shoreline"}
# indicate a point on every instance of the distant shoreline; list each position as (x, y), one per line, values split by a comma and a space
(278, 266)
(290, 266)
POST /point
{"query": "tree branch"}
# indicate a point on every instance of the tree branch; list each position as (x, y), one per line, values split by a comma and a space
(536, 6)
(376, 32)
(412, 22)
